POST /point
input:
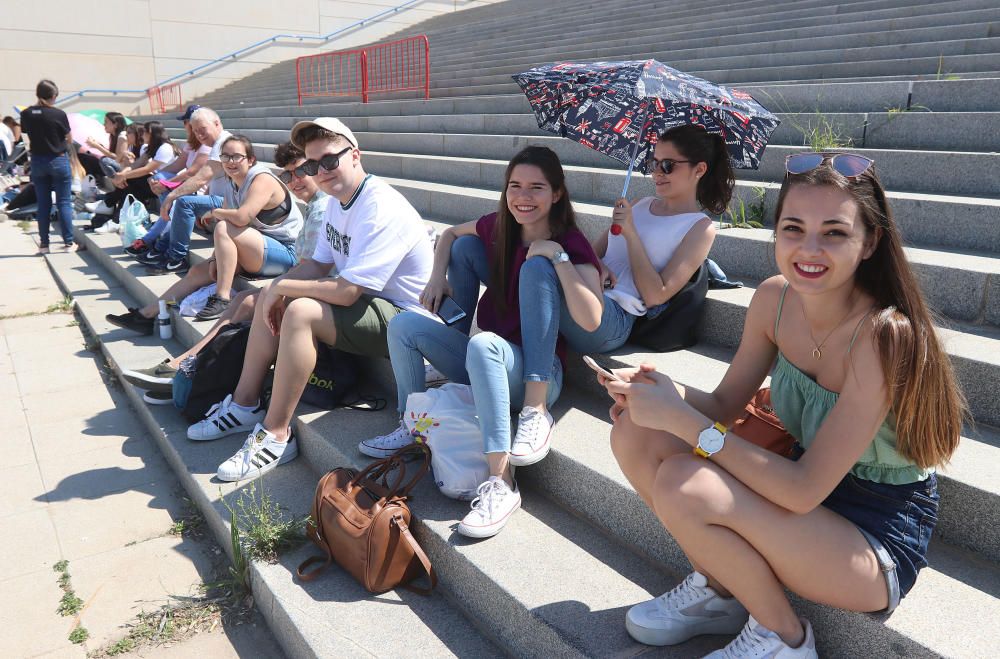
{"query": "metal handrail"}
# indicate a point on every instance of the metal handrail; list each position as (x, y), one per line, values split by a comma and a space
(236, 53)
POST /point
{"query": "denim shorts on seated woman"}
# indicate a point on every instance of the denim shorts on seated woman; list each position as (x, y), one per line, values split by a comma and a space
(278, 258)
(896, 520)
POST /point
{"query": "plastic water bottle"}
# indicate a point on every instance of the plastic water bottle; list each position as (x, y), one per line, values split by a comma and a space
(163, 321)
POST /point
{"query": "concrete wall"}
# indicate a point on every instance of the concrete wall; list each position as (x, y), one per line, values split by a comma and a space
(132, 44)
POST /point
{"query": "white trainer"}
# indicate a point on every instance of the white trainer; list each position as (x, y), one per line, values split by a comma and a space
(433, 377)
(491, 509)
(692, 608)
(385, 445)
(225, 418)
(99, 208)
(758, 642)
(261, 453)
(532, 440)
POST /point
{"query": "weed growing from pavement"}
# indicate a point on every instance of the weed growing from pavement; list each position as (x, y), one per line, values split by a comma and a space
(79, 635)
(262, 530)
(743, 215)
(24, 225)
(63, 306)
(819, 133)
(190, 524)
(70, 604)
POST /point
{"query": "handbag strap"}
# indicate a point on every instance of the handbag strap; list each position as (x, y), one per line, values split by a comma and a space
(317, 537)
(404, 531)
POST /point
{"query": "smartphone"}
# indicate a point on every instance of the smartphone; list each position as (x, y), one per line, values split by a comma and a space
(449, 311)
(589, 361)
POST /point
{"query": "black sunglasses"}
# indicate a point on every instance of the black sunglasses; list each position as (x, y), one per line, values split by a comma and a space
(666, 165)
(329, 162)
(850, 165)
(286, 175)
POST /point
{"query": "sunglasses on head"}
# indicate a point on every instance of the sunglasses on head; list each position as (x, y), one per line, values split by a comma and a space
(850, 165)
(666, 166)
(329, 162)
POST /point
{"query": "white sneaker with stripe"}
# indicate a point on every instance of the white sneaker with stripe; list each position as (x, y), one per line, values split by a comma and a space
(261, 453)
(225, 418)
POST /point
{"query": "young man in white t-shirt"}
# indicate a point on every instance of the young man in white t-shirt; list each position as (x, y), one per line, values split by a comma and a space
(383, 256)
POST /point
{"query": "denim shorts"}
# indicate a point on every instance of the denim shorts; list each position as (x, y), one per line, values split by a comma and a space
(896, 520)
(278, 258)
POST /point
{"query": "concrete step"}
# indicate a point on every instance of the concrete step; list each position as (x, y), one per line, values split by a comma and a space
(537, 612)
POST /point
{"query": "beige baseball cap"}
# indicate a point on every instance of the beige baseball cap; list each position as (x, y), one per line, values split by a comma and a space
(329, 123)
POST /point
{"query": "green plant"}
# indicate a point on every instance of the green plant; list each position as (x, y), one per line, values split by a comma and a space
(63, 306)
(744, 215)
(169, 624)
(70, 604)
(899, 109)
(941, 73)
(24, 225)
(261, 528)
(79, 635)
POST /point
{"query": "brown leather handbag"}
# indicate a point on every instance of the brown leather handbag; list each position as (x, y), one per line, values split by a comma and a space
(761, 426)
(361, 521)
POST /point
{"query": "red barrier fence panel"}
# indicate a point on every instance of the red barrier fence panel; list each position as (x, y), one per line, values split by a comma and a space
(402, 65)
(155, 107)
(165, 99)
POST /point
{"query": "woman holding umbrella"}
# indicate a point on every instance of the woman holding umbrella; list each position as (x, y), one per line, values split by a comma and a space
(663, 241)
(48, 127)
(860, 380)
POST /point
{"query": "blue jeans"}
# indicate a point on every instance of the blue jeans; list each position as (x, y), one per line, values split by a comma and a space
(183, 213)
(52, 174)
(278, 258)
(542, 299)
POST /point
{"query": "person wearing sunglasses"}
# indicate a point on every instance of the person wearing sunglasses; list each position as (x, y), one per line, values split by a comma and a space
(382, 254)
(859, 379)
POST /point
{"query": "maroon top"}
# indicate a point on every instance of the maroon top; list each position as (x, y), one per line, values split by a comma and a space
(508, 324)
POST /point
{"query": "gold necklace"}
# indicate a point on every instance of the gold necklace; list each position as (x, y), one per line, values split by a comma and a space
(817, 352)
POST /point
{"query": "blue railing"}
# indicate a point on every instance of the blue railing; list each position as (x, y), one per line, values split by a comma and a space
(236, 53)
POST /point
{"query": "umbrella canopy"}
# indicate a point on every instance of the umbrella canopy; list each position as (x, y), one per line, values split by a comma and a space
(608, 106)
(82, 127)
(97, 114)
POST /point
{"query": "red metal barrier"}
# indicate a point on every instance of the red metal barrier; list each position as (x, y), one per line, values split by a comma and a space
(165, 99)
(403, 65)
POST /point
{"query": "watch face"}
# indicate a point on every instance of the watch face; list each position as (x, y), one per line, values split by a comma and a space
(710, 440)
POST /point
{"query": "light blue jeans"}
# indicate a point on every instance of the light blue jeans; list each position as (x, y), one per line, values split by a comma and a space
(495, 368)
(183, 213)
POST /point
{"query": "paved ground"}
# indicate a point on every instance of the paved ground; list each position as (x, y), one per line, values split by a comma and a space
(81, 482)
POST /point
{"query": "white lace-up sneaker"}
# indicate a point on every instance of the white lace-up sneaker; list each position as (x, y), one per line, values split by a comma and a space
(225, 418)
(690, 609)
(758, 642)
(261, 453)
(491, 509)
(433, 377)
(385, 445)
(108, 227)
(532, 439)
(99, 208)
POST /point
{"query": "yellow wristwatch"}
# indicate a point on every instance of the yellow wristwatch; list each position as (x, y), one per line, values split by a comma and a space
(711, 440)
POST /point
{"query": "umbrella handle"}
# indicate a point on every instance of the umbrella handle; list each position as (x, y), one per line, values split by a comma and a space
(616, 229)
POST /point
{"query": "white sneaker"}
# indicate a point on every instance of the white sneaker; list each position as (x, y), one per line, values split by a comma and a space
(261, 453)
(491, 509)
(690, 609)
(385, 445)
(223, 419)
(107, 227)
(433, 377)
(99, 208)
(758, 642)
(532, 439)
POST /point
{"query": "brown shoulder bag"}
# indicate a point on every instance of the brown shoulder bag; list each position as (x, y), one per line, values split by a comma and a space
(761, 426)
(361, 521)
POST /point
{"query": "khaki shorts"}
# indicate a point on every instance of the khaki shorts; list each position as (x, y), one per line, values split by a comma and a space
(363, 327)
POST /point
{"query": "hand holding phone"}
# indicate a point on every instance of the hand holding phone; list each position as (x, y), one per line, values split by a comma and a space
(589, 361)
(449, 311)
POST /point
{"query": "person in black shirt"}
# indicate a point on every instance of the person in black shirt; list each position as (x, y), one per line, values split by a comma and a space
(47, 128)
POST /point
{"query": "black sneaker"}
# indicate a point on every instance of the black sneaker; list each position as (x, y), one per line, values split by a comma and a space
(215, 306)
(133, 320)
(167, 267)
(150, 257)
(133, 250)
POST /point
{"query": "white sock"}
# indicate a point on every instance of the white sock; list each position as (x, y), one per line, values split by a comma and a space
(245, 408)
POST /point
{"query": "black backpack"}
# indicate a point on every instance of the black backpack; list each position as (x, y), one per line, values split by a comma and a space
(333, 382)
(217, 370)
(676, 326)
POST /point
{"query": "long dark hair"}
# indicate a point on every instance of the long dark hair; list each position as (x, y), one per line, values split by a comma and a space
(157, 138)
(925, 399)
(507, 233)
(140, 136)
(118, 119)
(715, 188)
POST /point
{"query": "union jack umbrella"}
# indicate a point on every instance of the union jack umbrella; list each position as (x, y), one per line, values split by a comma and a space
(620, 108)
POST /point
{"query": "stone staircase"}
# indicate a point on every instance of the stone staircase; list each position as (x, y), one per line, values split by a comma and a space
(558, 579)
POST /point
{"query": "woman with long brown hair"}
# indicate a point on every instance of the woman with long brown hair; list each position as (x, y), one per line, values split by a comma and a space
(534, 227)
(862, 383)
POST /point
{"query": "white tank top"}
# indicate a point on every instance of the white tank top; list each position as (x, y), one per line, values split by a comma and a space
(660, 234)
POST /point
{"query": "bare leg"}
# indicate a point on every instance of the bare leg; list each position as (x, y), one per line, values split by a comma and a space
(195, 278)
(757, 548)
(306, 321)
(262, 348)
(236, 247)
(500, 466)
(535, 394)
(240, 309)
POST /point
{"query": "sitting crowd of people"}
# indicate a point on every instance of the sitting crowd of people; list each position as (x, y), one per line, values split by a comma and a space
(873, 405)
